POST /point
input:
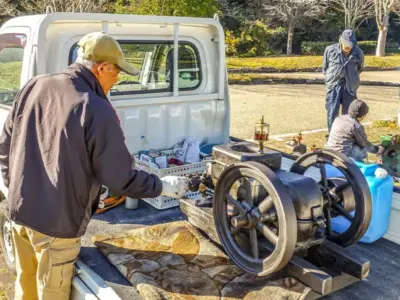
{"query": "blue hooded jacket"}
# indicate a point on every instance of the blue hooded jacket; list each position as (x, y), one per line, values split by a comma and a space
(335, 62)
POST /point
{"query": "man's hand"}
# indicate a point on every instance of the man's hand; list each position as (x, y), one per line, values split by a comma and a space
(380, 149)
(174, 186)
(379, 155)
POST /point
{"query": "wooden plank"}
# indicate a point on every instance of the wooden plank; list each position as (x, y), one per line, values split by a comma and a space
(339, 260)
(338, 283)
(313, 277)
(201, 218)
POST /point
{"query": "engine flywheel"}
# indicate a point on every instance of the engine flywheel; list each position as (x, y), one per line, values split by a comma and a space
(255, 218)
(391, 160)
(347, 196)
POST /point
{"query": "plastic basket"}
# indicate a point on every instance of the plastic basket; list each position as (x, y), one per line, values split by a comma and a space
(163, 202)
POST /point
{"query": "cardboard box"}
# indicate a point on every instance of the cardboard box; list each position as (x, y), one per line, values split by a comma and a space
(160, 162)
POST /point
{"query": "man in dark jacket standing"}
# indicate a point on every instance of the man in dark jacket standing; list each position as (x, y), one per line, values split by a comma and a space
(62, 140)
(342, 65)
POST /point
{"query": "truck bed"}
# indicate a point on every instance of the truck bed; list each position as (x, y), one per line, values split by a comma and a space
(383, 282)
(115, 221)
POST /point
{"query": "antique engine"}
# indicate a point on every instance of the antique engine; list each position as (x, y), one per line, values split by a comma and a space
(264, 215)
(391, 156)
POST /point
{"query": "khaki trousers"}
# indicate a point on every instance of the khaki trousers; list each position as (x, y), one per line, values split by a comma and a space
(45, 265)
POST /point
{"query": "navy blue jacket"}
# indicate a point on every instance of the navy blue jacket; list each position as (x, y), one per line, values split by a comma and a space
(335, 62)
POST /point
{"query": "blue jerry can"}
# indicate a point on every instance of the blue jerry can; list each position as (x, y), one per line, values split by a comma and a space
(381, 193)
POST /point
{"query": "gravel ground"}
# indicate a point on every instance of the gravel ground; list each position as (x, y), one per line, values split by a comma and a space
(7, 281)
(290, 108)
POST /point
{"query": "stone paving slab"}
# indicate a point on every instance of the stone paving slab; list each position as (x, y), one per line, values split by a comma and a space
(176, 261)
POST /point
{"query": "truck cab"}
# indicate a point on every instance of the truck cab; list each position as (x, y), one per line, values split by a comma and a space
(181, 89)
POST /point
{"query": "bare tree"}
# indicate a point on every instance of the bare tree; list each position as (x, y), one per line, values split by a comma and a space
(355, 11)
(292, 12)
(231, 9)
(40, 6)
(8, 9)
(383, 8)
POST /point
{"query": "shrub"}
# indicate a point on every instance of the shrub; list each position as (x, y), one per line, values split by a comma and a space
(231, 43)
(368, 47)
(286, 63)
(314, 48)
(256, 39)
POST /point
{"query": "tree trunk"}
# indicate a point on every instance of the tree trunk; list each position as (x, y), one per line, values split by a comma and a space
(380, 48)
(289, 49)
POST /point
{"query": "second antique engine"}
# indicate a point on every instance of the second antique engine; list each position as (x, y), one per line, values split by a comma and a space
(263, 214)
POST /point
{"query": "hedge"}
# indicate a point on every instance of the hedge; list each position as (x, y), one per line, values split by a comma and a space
(268, 79)
(303, 63)
(369, 47)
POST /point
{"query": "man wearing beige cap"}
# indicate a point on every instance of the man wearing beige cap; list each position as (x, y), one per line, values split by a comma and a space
(62, 141)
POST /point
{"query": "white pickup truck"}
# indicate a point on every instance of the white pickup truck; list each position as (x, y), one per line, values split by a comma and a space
(158, 107)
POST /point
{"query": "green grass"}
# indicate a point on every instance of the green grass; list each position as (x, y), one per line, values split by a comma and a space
(10, 71)
(10, 75)
(384, 124)
(250, 77)
(304, 62)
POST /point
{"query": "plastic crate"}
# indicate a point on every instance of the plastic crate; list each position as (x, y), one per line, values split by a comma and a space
(163, 202)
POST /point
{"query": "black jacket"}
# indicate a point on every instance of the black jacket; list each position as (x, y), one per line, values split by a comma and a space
(346, 132)
(62, 141)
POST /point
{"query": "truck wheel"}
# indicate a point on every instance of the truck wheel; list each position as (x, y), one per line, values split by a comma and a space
(6, 243)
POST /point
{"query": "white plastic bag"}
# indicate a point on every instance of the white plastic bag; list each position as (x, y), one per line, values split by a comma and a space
(180, 150)
(192, 151)
(187, 150)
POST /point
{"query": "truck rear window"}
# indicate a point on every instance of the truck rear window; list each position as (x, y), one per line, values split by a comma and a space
(155, 63)
(11, 56)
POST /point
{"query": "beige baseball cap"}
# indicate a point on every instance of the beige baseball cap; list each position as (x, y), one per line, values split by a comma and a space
(100, 47)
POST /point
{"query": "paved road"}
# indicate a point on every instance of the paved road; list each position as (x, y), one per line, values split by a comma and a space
(383, 76)
(290, 108)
